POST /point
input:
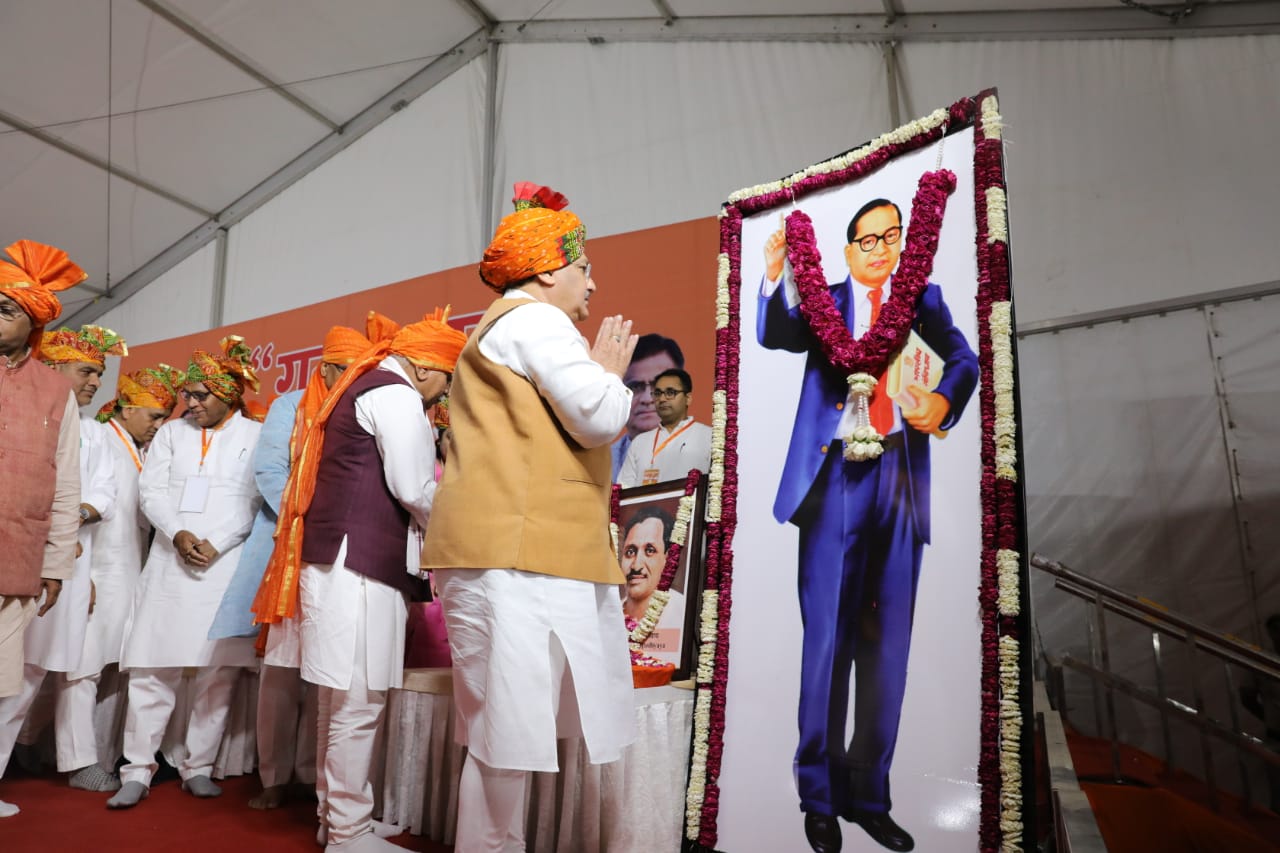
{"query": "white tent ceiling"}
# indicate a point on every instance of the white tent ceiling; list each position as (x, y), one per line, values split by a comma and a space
(131, 131)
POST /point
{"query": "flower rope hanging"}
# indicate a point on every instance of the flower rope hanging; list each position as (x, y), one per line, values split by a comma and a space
(864, 359)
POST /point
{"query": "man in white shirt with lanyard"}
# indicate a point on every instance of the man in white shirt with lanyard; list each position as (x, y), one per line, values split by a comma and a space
(677, 446)
(144, 401)
(197, 489)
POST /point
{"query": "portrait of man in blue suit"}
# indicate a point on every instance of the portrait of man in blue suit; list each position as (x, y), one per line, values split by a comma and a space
(862, 529)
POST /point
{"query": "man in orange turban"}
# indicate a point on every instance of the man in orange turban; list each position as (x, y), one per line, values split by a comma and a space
(286, 721)
(198, 491)
(38, 512)
(519, 536)
(61, 643)
(369, 491)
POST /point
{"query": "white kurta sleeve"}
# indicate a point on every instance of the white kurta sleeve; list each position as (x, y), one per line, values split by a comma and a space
(60, 544)
(393, 415)
(153, 484)
(97, 470)
(539, 342)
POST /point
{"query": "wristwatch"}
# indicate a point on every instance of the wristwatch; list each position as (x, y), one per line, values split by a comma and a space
(84, 515)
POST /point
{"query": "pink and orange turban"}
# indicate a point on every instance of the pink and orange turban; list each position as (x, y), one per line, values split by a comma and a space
(35, 274)
(150, 388)
(226, 376)
(92, 345)
(540, 236)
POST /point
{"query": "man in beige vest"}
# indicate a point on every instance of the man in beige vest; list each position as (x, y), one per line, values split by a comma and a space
(40, 425)
(520, 527)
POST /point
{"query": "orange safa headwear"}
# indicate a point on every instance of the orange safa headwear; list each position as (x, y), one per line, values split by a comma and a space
(91, 344)
(540, 236)
(344, 345)
(31, 279)
(225, 376)
(149, 388)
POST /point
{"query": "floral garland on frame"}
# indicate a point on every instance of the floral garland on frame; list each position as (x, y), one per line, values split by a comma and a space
(1003, 696)
(638, 630)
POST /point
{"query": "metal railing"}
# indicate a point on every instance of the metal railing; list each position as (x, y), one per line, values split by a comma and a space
(1204, 646)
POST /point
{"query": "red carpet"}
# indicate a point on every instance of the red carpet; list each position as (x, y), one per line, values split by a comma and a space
(57, 818)
(1165, 810)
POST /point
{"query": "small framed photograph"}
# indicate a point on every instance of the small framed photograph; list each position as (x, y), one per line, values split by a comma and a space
(647, 518)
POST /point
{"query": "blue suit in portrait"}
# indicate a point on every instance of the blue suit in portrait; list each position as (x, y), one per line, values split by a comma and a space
(862, 527)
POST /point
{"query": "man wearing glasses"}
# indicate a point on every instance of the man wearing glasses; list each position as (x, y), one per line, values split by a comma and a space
(677, 445)
(197, 489)
(863, 526)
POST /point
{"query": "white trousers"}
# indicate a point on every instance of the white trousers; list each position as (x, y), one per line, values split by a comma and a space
(490, 809)
(77, 744)
(287, 726)
(15, 613)
(349, 726)
(152, 696)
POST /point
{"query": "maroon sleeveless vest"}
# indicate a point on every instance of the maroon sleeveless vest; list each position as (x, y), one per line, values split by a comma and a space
(352, 499)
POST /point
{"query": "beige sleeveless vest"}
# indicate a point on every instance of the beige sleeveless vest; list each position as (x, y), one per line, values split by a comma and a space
(518, 492)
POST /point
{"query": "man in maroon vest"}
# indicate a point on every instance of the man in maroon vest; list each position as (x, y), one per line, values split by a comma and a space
(374, 484)
(39, 452)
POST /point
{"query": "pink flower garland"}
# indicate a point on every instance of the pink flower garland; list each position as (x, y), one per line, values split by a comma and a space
(1000, 499)
(872, 352)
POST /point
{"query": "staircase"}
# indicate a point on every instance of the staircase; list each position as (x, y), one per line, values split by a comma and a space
(1202, 783)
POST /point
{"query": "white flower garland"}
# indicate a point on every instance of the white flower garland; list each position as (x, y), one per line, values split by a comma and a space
(657, 603)
(684, 518)
(715, 477)
(697, 789)
(894, 137)
(1005, 427)
(722, 291)
(992, 122)
(1010, 747)
(864, 442)
(1008, 599)
(997, 215)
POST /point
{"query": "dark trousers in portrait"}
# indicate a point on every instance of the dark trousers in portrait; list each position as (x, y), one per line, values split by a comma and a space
(859, 567)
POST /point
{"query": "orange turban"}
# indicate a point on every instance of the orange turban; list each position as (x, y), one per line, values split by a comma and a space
(92, 345)
(36, 273)
(151, 388)
(343, 345)
(540, 236)
(227, 376)
(430, 343)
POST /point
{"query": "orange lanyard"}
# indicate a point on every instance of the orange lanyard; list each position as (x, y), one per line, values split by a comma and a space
(658, 448)
(128, 444)
(206, 440)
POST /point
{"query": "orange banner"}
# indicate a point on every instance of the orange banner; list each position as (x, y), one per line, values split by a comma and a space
(664, 279)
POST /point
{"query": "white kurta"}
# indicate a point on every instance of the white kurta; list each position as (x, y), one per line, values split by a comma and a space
(333, 596)
(175, 603)
(673, 458)
(512, 692)
(118, 544)
(55, 641)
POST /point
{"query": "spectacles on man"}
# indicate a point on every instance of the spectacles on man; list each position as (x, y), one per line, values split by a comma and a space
(198, 396)
(667, 393)
(868, 243)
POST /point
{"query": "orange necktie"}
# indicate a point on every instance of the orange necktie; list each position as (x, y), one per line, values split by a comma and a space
(881, 409)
